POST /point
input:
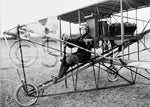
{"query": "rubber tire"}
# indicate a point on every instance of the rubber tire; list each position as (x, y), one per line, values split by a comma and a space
(108, 75)
(32, 101)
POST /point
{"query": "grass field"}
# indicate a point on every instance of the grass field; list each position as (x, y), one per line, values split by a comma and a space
(130, 96)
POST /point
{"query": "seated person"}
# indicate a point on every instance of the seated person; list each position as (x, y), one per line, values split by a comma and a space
(85, 40)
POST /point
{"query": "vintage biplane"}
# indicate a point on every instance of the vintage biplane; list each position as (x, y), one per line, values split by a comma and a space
(111, 52)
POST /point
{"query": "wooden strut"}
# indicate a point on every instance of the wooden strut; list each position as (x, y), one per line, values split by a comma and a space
(75, 83)
(24, 82)
(131, 82)
(139, 36)
(75, 91)
(79, 91)
(86, 65)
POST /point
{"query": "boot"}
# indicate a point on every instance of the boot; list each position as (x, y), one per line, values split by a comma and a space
(63, 70)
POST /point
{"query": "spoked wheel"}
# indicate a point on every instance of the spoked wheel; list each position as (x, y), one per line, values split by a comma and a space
(49, 47)
(111, 75)
(27, 48)
(26, 99)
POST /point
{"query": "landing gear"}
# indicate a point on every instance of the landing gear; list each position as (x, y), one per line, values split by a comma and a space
(26, 95)
(112, 73)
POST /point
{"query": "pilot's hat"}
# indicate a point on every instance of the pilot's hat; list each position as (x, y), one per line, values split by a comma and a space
(84, 26)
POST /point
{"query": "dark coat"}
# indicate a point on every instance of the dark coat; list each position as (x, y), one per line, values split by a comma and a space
(83, 55)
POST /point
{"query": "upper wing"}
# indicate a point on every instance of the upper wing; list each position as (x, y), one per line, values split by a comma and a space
(105, 8)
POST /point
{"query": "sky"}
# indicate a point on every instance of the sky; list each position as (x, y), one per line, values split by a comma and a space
(14, 12)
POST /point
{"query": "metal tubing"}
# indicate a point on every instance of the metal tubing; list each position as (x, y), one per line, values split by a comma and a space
(73, 82)
(137, 41)
(60, 35)
(95, 77)
(138, 74)
(144, 36)
(67, 76)
(98, 74)
(118, 74)
(79, 18)
(129, 45)
(70, 32)
(86, 90)
(122, 28)
(70, 28)
(22, 61)
(76, 81)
